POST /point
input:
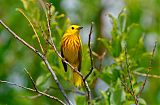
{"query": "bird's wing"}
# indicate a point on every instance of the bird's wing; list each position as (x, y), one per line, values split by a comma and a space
(64, 64)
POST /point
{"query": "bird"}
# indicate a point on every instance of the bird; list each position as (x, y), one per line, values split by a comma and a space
(71, 51)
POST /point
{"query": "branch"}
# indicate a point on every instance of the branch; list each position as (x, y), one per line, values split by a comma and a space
(149, 69)
(145, 75)
(41, 56)
(55, 88)
(130, 77)
(44, 37)
(21, 11)
(20, 39)
(31, 80)
(33, 90)
(100, 58)
(39, 95)
(127, 88)
(48, 17)
(70, 90)
(88, 91)
(90, 52)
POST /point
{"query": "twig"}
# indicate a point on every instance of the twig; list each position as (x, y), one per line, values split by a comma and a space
(90, 52)
(18, 85)
(95, 54)
(149, 69)
(100, 58)
(71, 90)
(130, 77)
(48, 17)
(127, 88)
(149, 75)
(31, 80)
(55, 88)
(91, 68)
(88, 91)
(20, 39)
(33, 90)
(32, 28)
(41, 56)
(39, 95)
(42, 5)
(44, 37)
(123, 76)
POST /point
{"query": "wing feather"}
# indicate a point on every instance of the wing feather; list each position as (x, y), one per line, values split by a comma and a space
(64, 64)
(79, 58)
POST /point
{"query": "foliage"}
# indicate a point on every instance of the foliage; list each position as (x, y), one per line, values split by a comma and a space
(127, 44)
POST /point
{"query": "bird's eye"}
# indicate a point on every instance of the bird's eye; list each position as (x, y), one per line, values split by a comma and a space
(72, 28)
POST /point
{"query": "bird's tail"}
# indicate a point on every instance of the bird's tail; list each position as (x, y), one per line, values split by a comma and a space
(77, 79)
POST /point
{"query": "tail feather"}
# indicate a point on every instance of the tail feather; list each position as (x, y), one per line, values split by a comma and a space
(77, 79)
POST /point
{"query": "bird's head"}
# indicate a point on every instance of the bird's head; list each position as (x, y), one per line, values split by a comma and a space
(74, 29)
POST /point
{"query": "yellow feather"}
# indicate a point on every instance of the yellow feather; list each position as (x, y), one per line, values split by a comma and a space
(71, 51)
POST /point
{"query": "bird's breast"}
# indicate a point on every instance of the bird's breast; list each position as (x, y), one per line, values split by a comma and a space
(71, 47)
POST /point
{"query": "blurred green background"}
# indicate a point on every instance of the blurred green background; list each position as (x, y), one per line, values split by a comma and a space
(134, 22)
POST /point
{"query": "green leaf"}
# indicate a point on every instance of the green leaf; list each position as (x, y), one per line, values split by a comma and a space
(122, 18)
(134, 33)
(116, 46)
(139, 69)
(118, 96)
(81, 100)
(106, 76)
(142, 101)
(25, 4)
(42, 79)
(128, 102)
(114, 31)
(105, 100)
(106, 43)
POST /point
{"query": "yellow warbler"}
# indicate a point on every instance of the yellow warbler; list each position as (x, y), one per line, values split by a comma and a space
(71, 51)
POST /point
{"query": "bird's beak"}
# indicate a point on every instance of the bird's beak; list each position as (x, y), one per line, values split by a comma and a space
(79, 28)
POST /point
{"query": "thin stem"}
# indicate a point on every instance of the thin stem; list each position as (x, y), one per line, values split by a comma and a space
(39, 95)
(149, 69)
(21, 11)
(127, 88)
(88, 91)
(90, 52)
(149, 75)
(33, 90)
(31, 80)
(71, 90)
(130, 77)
